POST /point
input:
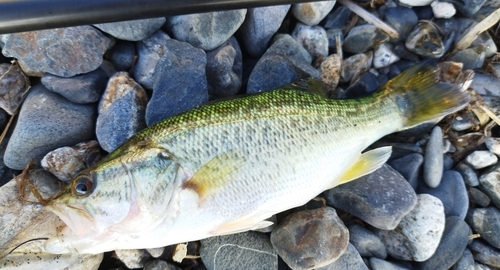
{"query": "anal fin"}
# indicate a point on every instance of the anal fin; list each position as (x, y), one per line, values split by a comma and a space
(243, 224)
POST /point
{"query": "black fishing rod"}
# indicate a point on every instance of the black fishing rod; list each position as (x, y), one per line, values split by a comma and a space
(29, 15)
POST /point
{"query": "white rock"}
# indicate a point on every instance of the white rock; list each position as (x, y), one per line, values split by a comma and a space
(480, 159)
(493, 145)
(132, 258)
(155, 252)
(443, 9)
(416, 3)
(312, 13)
(384, 56)
(312, 38)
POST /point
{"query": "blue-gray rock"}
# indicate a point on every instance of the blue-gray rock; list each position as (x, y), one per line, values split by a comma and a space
(224, 69)
(122, 55)
(180, 81)
(121, 111)
(47, 121)
(159, 265)
(149, 52)
(417, 236)
(471, 58)
(313, 39)
(310, 238)
(248, 250)
(63, 52)
(452, 193)
(484, 253)
(478, 197)
(487, 43)
(462, 123)
(379, 264)
(466, 261)
(448, 162)
(339, 18)
(381, 198)
(82, 89)
(259, 27)
(409, 167)
(363, 87)
(363, 38)
(425, 40)
(356, 65)
(467, 7)
(134, 30)
(285, 45)
(486, 222)
(366, 242)
(333, 35)
(350, 260)
(480, 159)
(493, 144)
(312, 13)
(452, 245)
(402, 19)
(433, 159)
(486, 85)
(490, 184)
(13, 85)
(207, 30)
(468, 174)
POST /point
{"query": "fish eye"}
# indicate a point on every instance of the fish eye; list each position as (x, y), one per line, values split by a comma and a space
(83, 185)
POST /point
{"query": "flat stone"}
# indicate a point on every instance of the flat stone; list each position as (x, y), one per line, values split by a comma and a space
(312, 13)
(248, 250)
(313, 39)
(81, 89)
(490, 184)
(132, 258)
(339, 18)
(364, 86)
(381, 198)
(123, 55)
(286, 45)
(480, 159)
(224, 69)
(493, 145)
(133, 30)
(485, 254)
(486, 85)
(469, 7)
(402, 19)
(149, 52)
(433, 159)
(468, 174)
(363, 38)
(471, 58)
(409, 167)
(63, 52)
(349, 260)
(13, 85)
(478, 197)
(47, 121)
(379, 264)
(299, 237)
(465, 262)
(367, 243)
(486, 222)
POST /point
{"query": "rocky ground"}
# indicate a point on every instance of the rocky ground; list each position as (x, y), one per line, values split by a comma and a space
(435, 205)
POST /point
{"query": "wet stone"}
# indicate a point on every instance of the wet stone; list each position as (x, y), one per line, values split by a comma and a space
(13, 85)
(180, 81)
(363, 38)
(490, 184)
(81, 89)
(121, 111)
(493, 144)
(122, 55)
(465, 262)
(478, 197)
(248, 250)
(132, 258)
(207, 30)
(484, 253)
(300, 235)
(149, 52)
(461, 123)
(134, 30)
(425, 40)
(224, 69)
(486, 85)
(381, 198)
(313, 39)
(433, 161)
(63, 52)
(481, 159)
(339, 18)
(384, 56)
(402, 19)
(486, 222)
(379, 264)
(366, 242)
(409, 167)
(443, 9)
(312, 13)
(350, 260)
(468, 174)
(47, 121)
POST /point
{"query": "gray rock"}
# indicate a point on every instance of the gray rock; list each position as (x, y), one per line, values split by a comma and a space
(339, 18)
(493, 145)
(134, 30)
(417, 235)
(47, 121)
(486, 222)
(356, 65)
(485, 254)
(448, 162)
(350, 260)
(132, 258)
(379, 264)
(13, 85)
(330, 71)
(480, 159)
(468, 174)
(159, 265)
(466, 261)
(402, 19)
(149, 52)
(490, 184)
(471, 58)
(409, 167)
(180, 81)
(122, 55)
(364, 86)
(224, 69)
(478, 197)
(425, 40)
(433, 161)
(299, 237)
(462, 123)
(121, 111)
(285, 45)
(208, 30)
(381, 198)
(366, 242)
(486, 42)
(363, 38)
(383, 56)
(63, 52)
(452, 245)
(452, 193)
(312, 13)
(259, 27)
(155, 252)
(81, 89)
(313, 39)
(249, 250)
(469, 7)
(486, 85)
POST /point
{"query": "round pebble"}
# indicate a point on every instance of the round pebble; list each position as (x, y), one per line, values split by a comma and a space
(122, 55)
(363, 38)
(350, 260)
(433, 160)
(366, 242)
(478, 197)
(330, 71)
(490, 184)
(468, 174)
(493, 145)
(481, 159)
(134, 30)
(312, 13)
(465, 262)
(443, 9)
(402, 19)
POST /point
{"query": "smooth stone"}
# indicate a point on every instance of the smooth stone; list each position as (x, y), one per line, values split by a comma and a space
(63, 52)
(155, 252)
(313, 39)
(122, 55)
(133, 30)
(208, 30)
(81, 89)
(452, 193)
(367, 243)
(466, 261)
(379, 264)
(490, 184)
(121, 111)
(451, 246)
(486, 222)
(381, 198)
(469, 7)
(486, 85)
(485, 253)
(286, 45)
(462, 123)
(402, 52)
(433, 158)
(443, 9)
(471, 58)
(132, 258)
(480, 159)
(159, 265)
(248, 250)
(448, 162)
(458, 26)
(493, 144)
(366, 85)
(478, 197)
(485, 10)
(13, 85)
(356, 65)
(402, 19)
(349, 260)
(149, 52)
(259, 27)
(224, 69)
(299, 236)
(330, 70)
(417, 236)
(416, 3)
(409, 167)
(363, 38)
(47, 121)
(468, 174)
(339, 18)
(383, 56)
(312, 13)
(425, 40)
(180, 81)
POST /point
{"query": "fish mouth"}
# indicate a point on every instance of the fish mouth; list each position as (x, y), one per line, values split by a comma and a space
(78, 220)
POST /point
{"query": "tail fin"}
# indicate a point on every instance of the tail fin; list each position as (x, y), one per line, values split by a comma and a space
(421, 97)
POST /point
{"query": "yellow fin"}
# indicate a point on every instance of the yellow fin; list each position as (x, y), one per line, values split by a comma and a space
(366, 163)
(243, 224)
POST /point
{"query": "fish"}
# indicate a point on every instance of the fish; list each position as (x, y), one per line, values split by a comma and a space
(227, 166)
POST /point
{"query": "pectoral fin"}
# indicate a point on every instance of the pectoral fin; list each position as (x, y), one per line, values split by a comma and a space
(366, 163)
